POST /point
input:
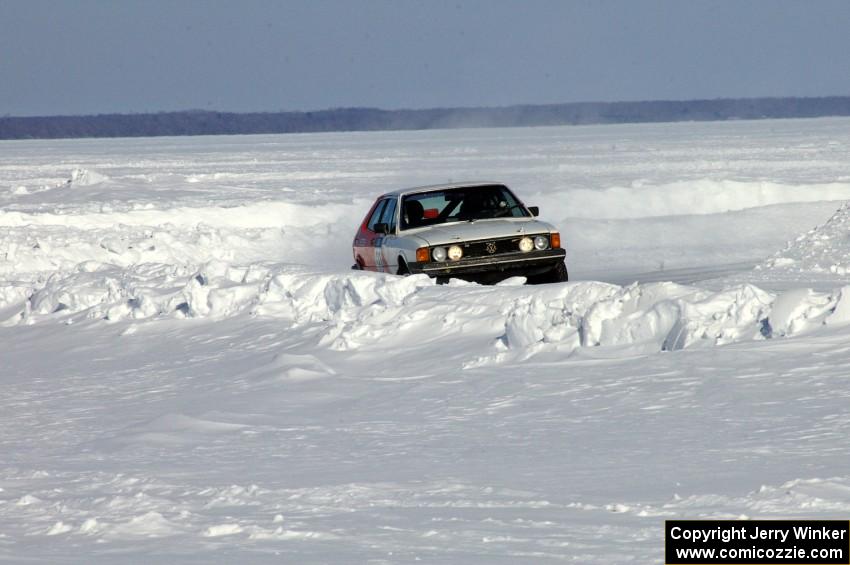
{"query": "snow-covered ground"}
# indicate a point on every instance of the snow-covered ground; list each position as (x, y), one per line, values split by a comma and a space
(189, 371)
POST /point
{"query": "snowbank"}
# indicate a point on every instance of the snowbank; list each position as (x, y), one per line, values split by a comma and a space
(822, 250)
(703, 196)
(38, 245)
(255, 215)
(365, 309)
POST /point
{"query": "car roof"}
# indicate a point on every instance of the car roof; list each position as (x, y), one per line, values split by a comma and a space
(435, 187)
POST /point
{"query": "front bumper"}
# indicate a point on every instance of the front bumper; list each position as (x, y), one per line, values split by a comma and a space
(506, 264)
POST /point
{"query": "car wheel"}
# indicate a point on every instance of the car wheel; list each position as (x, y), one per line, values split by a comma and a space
(556, 275)
(559, 273)
(403, 269)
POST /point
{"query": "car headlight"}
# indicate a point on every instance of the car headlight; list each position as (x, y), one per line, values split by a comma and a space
(541, 242)
(526, 244)
(439, 253)
(455, 252)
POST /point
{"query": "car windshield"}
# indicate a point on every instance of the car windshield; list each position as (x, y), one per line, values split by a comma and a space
(460, 204)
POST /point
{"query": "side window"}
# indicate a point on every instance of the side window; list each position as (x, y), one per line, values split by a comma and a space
(388, 215)
(376, 214)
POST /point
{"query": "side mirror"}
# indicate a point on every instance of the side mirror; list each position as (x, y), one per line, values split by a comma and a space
(535, 211)
(382, 228)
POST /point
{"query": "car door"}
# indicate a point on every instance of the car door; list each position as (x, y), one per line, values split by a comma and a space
(383, 244)
(364, 241)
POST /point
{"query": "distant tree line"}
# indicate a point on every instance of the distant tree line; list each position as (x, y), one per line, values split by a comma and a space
(199, 122)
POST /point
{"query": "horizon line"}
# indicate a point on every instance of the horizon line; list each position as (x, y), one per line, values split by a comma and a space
(429, 108)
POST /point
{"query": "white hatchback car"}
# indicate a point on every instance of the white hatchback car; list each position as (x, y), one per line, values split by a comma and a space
(476, 231)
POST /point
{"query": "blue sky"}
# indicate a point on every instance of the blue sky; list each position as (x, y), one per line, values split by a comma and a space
(85, 56)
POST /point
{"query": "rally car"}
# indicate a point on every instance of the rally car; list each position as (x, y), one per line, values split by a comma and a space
(476, 231)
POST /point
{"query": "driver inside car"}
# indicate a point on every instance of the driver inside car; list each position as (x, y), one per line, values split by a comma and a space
(413, 213)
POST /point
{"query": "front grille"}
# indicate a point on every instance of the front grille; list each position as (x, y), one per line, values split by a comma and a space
(502, 245)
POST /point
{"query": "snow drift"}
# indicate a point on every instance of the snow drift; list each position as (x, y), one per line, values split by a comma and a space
(700, 197)
(822, 250)
(362, 309)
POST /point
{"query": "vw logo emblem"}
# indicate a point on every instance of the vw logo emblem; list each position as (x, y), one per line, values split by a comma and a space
(490, 247)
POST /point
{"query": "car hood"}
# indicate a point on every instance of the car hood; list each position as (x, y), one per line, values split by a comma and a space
(446, 234)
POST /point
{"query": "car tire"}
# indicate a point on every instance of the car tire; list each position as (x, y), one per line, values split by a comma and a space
(403, 269)
(557, 274)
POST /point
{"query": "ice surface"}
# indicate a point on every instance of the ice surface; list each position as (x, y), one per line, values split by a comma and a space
(190, 371)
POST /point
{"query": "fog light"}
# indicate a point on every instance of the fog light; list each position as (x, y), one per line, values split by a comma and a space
(526, 245)
(541, 242)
